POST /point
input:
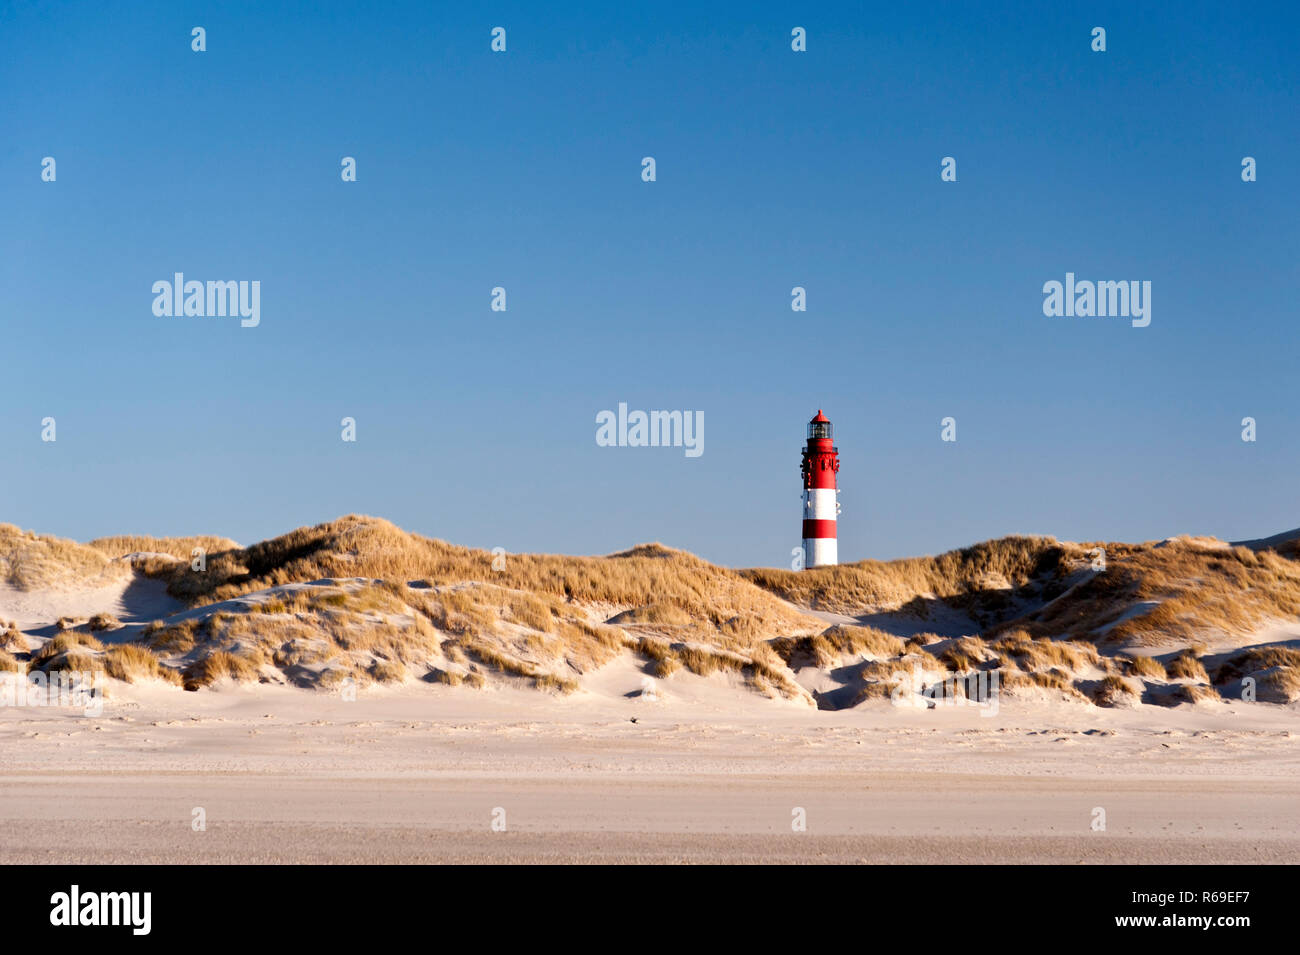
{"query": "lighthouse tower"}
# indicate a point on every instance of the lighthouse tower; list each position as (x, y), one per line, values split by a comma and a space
(821, 462)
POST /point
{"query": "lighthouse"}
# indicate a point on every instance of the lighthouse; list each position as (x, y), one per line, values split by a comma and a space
(821, 462)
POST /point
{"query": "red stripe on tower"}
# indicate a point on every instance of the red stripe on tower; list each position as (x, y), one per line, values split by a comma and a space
(818, 530)
(821, 464)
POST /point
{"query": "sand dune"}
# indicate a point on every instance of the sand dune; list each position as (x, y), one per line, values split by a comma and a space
(363, 694)
(358, 603)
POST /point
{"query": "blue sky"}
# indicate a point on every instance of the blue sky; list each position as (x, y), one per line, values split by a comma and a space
(775, 169)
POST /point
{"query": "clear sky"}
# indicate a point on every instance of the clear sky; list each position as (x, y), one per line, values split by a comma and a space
(775, 169)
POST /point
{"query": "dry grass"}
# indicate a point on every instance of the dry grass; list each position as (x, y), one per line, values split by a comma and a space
(1280, 685)
(654, 648)
(61, 645)
(454, 611)
(73, 659)
(918, 642)
(1113, 691)
(31, 561)
(1255, 660)
(129, 662)
(837, 642)
(400, 603)
(494, 656)
(1181, 693)
(870, 585)
(447, 677)
(211, 668)
(704, 662)
(388, 671)
(532, 612)
(662, 669)
(873, 691)
(552, 681)
(376, 631)
(644, 577)
(1191, 590)
(1148, 667)
(178, 638)
(1018, 649)
(180, 548)
(12, 639)
(586, 647)
(966, 654)
(1185, 666)
(304, 651)
(763, 669)
(662, 614)
(664, 660)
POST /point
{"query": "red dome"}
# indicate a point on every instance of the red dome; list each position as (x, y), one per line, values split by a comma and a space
(820, 417)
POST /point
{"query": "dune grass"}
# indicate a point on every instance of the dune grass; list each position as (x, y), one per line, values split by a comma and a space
(388, 671)
(180, 548)
(872, 585)
(31, 561)
(12, 639)
(218, 664)
(1187, 588)
(73, 659)
(354, 546)
(1148, 667)
(837, 642)
(1255, 660)
(391, 604)
(131, 662)
(1114, 691)
(1018, 649)
(1185, 666)
(64, 643)
(1280, 684)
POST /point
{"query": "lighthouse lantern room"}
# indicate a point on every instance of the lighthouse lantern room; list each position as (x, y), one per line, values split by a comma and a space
(821, 463)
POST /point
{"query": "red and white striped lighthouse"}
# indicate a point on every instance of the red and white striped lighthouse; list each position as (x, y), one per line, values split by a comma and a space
(821, 462)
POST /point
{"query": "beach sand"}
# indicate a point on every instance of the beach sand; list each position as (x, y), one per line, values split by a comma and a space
(704, 773)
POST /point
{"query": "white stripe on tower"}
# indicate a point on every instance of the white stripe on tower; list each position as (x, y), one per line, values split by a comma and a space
(820, 552)
(822, 507)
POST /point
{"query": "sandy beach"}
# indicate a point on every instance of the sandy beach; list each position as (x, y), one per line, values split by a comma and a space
(416, 775)
(646, 706)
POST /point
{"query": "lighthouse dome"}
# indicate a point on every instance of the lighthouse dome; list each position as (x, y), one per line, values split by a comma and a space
(820, 426)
